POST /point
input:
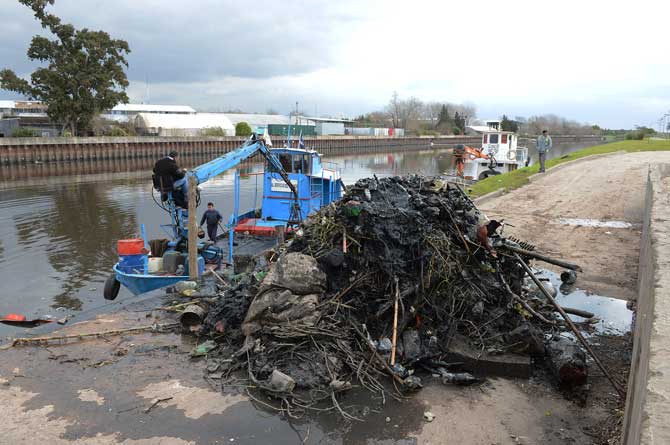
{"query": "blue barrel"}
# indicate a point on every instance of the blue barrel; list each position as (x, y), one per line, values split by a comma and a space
(131, 264)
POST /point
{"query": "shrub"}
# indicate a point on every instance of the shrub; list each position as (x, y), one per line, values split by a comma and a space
(116, 131)
(24, 133)
(214, 131)
(242, 129)
(636, 135)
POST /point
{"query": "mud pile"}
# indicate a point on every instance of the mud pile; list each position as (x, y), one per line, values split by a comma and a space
(395, 258)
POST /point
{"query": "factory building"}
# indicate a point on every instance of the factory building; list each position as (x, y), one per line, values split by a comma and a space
(153, 124)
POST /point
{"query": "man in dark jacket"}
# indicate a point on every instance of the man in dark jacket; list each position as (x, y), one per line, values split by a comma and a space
(166, 172)
(213, 217)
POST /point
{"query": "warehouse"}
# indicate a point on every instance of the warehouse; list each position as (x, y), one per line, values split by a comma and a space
(151, 124)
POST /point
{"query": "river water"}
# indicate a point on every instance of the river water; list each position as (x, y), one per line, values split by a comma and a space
(59, 223)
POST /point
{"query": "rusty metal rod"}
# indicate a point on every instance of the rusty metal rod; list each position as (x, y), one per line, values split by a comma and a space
(546, 259)
(573, 328)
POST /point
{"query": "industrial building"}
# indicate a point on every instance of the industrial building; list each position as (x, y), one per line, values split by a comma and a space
(127, 112)
(154, 124)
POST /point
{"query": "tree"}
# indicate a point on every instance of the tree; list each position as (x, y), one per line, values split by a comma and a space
(242, 129)
(459, 123)
(84, 73)
(507, 124)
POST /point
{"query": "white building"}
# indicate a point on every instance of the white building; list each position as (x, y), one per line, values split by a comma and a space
(127, 112)
(22, 108)
(155, 124)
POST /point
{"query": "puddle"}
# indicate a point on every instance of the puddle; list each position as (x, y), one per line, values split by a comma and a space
(595, 223)
(614, 317)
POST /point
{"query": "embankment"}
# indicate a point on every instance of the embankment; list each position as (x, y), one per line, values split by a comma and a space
(32, 150)
(648, 402)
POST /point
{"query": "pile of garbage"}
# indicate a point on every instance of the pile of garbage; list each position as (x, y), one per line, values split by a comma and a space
(378, 285)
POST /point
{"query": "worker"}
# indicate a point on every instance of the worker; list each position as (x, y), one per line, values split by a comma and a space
(168, 177)
(459, 159)
(481, 228)
(212, 217)
(543, 146)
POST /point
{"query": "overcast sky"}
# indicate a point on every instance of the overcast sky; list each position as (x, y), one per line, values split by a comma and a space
(605, 62)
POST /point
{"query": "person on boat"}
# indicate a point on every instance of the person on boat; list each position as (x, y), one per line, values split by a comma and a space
(543, 146)
(213, 218)
(168, 177)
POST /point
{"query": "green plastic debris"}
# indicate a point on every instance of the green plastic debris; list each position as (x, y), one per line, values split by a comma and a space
(260, 275)
(203, 348)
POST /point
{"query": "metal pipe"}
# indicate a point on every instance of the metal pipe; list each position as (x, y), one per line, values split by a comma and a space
(572, 326)
(540, 257)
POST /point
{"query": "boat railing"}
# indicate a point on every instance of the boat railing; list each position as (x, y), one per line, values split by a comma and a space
(521, 154)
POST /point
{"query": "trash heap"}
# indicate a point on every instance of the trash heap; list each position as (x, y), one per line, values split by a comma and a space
(395, 258)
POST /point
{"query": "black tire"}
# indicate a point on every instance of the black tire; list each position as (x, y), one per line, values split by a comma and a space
(112, 287)
(487, 173)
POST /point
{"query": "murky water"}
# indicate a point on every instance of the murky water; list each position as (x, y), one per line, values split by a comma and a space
(595, 223)
(59, 223)
(612, 316)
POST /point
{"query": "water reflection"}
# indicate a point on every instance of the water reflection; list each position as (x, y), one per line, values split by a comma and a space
(80, 230)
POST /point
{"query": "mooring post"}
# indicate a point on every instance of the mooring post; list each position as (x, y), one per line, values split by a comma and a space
(192, 228)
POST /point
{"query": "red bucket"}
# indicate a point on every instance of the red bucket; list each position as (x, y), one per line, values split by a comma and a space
(133, 246)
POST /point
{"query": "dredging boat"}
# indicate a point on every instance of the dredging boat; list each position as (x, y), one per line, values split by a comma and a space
(296, 182)
(500, 153)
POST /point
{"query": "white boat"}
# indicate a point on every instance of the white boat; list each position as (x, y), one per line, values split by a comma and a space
(500, 150)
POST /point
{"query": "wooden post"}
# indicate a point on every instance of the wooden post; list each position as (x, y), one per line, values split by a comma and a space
(192, 228)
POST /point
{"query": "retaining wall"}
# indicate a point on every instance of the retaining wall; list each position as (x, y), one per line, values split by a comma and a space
(32, 150)
(648, 401)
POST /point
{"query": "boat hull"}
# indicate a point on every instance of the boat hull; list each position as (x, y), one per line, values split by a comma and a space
(139, 283)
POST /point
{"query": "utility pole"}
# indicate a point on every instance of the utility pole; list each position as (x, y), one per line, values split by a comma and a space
(192, 228)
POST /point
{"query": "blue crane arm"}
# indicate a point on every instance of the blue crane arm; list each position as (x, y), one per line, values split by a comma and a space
(215, 167)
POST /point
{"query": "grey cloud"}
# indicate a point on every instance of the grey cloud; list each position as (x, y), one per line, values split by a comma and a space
(201, 39)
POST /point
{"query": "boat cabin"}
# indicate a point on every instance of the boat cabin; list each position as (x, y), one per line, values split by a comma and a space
(502, 146)
(317, 185)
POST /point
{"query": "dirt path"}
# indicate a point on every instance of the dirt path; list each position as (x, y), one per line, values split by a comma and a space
(609, 188)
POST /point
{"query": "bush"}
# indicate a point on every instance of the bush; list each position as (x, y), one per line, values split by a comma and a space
(456, 131)
(242, 129)
(214, 131)
(24, 133)
(116, 131)
(636, 135)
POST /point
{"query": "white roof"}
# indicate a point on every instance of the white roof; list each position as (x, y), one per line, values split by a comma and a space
(146, 108)
(480, 128)
(258, 120)
(7, 104)
(184, 121)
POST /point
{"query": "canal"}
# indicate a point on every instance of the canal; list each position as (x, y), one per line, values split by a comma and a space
(59, 223)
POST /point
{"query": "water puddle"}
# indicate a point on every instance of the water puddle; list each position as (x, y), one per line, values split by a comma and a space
(612, 316)
(583, 222)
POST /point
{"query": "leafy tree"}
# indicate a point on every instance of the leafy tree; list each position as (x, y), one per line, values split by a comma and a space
(507, 124)
(242, 129)
(459, 123)
(84, 71)
(443, 117)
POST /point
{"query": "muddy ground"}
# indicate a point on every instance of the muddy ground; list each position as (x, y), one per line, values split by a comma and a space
(146, 389)
(606, 188)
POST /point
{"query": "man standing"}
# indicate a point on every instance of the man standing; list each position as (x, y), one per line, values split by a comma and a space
(213, 217)
(543, 146)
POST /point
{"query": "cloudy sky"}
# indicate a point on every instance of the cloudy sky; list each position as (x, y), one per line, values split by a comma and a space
(605, 62)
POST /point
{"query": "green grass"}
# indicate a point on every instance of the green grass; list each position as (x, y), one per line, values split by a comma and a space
(519, 177)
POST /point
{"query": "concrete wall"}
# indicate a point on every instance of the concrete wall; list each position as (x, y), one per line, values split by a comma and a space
(648, 401)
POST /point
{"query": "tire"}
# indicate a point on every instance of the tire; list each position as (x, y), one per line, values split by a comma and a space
(487, 173)
(112, 287)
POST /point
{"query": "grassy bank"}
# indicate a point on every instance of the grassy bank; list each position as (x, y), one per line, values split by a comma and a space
(517, 178)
